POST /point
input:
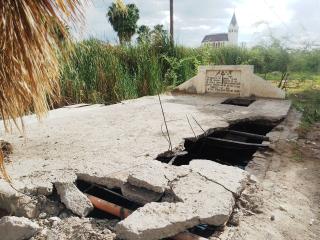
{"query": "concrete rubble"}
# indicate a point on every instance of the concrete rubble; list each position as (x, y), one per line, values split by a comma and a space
(115, 146)
(18, 203)
(17, 228)
(74, 228)
(194, 199)
(74, 199)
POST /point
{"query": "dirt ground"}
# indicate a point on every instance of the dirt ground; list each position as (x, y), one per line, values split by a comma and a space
(289, 194)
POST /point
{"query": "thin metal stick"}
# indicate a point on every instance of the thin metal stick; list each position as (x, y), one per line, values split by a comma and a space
(198, 124)
(191, 127)
(165, 122)
(163, 134)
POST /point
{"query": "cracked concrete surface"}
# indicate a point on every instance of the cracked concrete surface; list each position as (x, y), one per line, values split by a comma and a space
(220, 174)
(115, 146)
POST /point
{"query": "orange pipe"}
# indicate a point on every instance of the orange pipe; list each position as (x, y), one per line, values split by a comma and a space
(124, 212)
(109, 207)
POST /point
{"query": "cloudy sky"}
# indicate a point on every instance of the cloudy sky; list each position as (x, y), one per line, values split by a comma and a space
(293, 20)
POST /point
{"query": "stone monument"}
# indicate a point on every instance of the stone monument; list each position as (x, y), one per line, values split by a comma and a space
(234, 80)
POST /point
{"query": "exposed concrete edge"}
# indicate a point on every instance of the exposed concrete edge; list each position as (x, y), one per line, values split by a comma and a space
(260, 163)
(107, 181)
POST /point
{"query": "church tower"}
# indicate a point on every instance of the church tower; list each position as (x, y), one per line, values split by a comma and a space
(233, 31)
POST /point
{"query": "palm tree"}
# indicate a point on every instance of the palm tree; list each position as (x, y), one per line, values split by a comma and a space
(123, 19)
(144, 34)
(28, 61)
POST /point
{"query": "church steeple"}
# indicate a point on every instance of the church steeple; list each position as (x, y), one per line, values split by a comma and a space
(234, 20)
(233, 31)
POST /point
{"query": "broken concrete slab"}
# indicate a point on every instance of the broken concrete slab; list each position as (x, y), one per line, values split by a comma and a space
(155, 176)
(211, 202)
(115, 149)
(112, 175)
(139, 195)
(74, 199)
(141, 177)
(232, 178)
(57, 145)
(157, 221)
(201, 201)
(17, 228)
(41, 182)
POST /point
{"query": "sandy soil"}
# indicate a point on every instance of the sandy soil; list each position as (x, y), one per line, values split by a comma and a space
(289, 194)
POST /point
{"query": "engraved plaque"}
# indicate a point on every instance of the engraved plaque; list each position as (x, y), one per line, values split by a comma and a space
(223, 81)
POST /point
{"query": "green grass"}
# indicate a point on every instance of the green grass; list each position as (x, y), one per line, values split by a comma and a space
(100, 73)
(300, 76)
(305, 96)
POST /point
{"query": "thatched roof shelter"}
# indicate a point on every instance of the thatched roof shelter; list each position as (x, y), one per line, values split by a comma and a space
(28, 60)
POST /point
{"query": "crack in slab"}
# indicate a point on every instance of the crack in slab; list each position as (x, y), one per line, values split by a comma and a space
(211, 180)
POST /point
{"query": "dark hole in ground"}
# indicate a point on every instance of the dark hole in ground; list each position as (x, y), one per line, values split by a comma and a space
(260, 126)
(111, 195)
(203, 230)
(232, 146)
(54, 196)
(239, 101)
(3, 213)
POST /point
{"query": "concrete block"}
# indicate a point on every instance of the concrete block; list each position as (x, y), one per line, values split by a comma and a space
(74, 199)
(17, 228)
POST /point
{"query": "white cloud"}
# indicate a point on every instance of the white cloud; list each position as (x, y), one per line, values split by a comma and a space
(193, 28)
(292, 19)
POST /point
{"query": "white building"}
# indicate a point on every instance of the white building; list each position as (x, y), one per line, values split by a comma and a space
(223, 39)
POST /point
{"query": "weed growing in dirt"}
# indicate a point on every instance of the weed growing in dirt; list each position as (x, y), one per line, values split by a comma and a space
(305, 97)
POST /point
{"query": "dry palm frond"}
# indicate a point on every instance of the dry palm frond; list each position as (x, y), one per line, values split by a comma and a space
(121, 6)
(28, 60)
